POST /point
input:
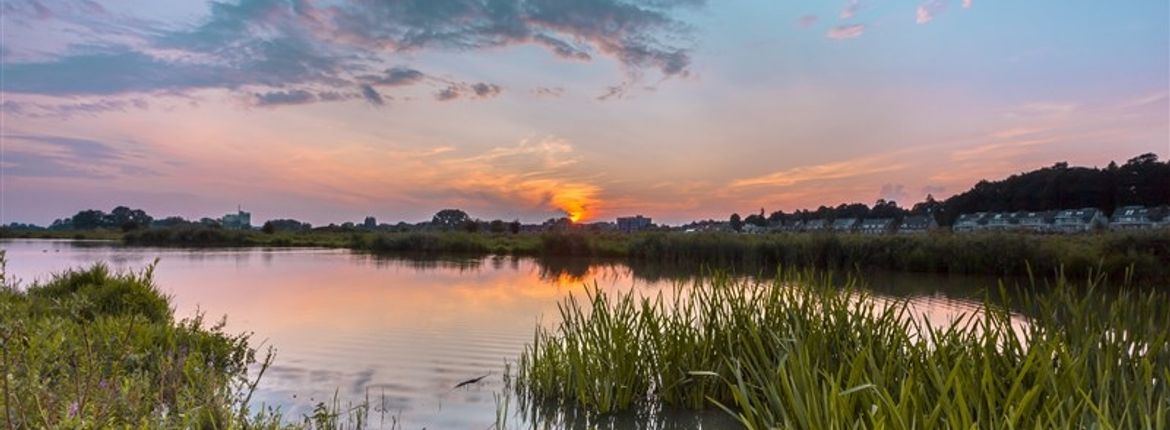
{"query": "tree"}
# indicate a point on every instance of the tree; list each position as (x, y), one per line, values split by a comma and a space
(514, 227)
(449, 219)
(497, 226)
(268, 228)
(736, 222)
(89, 219)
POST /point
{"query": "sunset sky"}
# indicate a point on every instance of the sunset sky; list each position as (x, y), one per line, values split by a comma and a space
(328, 111)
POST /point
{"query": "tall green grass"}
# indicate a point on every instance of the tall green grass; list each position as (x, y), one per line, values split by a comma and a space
(797, 352)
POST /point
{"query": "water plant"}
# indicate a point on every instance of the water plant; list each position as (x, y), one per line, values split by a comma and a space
(798, 352)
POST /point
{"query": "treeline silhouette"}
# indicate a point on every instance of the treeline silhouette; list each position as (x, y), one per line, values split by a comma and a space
(1143, 180)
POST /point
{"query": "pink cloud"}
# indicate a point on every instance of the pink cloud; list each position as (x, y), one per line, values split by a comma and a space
(967, 4)
(807, 21)
(846, 31)
(928, 10)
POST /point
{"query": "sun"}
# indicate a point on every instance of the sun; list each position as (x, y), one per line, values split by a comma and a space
(576, 216)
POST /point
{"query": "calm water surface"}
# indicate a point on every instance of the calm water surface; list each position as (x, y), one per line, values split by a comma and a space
(401, 332)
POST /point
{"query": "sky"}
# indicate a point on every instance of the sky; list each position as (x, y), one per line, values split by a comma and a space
(329, 111)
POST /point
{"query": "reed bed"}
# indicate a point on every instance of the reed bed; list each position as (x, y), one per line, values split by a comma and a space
(799, 352)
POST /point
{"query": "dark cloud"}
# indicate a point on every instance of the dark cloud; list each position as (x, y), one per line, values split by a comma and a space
(395, 76)
(71, 109)
(291, 97)
(549, 91)
(446, 94)
(480, 90)
(282, 43)
(371, 95)
(486, 90)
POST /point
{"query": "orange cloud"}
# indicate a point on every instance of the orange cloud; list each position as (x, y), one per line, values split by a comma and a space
(828, 171)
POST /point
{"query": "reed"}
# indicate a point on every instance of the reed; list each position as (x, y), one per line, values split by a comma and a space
(797, 352)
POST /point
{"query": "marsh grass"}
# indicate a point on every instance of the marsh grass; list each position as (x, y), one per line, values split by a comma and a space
(799, 352)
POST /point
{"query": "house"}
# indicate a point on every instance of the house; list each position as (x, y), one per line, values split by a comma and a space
(999, 221)
(816, 225)
(917, 224)
(845, 225)
(1036, 222)
(794, 225)
(1130, 218)
(753, 229)
(969, 222)
(1079, 220)
(238, 221)
(877, 225)
(633, 224)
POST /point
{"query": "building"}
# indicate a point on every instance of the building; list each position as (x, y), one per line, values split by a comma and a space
(793, 225)
(238, 221)
(1079, 220)
(845, 225)
(1130, 218)
(877, 225)
(1036, 222)
(753, 229)
(815, 225)
(917, 224)
(999, 221)
(969, 222)
(633, 224)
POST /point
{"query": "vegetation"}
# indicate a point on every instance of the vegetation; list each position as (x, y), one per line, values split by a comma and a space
(96, 349)
(798, 352)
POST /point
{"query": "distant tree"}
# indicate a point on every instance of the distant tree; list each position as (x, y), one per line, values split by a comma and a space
(89, 219)
(736, 222)
(449, 219)
(776, 218)
(171, 221)
(268, 228)
(497, 226)
(514, 227)
(756, 220)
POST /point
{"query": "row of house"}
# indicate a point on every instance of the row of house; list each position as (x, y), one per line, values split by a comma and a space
(910, 224)
(1065, 221)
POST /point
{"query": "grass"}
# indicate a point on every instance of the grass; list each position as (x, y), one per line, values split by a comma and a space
(797, 352)
(92, 349)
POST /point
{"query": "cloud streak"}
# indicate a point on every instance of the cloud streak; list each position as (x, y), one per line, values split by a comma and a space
(843, 32)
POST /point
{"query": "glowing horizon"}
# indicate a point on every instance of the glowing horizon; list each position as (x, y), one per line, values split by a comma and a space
(330, 111)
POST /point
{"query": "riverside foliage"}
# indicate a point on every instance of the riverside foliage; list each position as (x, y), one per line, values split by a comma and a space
(1118, 254)
(798, 352)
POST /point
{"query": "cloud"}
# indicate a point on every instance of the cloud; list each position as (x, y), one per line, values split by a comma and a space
(850, 9)
(807, 21)
(291, 97)
(928, 10)
(822, 172)
(48, 156)
(967, 4)
(71, 109)
(842, 32)
(283, 43)
(549, 91)
(395, 76)
(371, 95)
(456, 90)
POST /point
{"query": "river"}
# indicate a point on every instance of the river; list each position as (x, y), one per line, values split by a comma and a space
(404, 332)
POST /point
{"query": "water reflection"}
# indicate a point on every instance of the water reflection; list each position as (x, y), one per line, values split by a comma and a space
(404, 331)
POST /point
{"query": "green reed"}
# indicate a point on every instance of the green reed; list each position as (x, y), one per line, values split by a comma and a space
(798, 352)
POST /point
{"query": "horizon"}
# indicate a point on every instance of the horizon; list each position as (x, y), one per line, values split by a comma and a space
(656, 221)
(677, 110)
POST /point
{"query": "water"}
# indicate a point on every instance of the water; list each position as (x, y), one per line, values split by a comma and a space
(400, 332)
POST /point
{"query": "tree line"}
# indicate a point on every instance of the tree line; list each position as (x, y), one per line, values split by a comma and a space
(1143, 180)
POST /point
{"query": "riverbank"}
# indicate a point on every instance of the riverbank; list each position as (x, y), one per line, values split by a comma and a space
(1119, 255)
